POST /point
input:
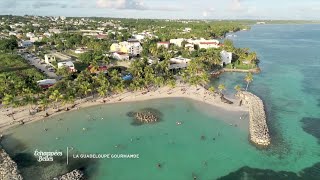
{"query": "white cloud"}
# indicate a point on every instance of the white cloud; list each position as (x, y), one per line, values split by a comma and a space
(237, 6)
(121, 4)
(207, 12)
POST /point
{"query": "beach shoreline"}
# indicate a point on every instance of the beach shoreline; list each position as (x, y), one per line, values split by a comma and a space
(200, 94)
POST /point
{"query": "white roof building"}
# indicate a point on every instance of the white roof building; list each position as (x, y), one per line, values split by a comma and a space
(46, 82)
(49, 58)
(25, 44)
(163, 44)
(68, 64)
(226, 57)
(177, 42)
(30, 35)
(120, 56)
(80, 50)
(179, 60)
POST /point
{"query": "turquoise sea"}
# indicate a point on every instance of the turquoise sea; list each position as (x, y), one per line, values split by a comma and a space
(205, 145)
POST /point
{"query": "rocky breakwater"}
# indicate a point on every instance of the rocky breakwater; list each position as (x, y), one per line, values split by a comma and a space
(73, 175)
(8, 168)
(259, 132)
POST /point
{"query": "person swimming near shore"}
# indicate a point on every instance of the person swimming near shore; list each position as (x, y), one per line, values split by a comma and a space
(45, 129)
(194, 176)
(159, 165)
(205, 163)
(203, 137)
(178, 123)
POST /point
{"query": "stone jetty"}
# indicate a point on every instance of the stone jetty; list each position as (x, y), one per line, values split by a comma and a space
(8, 168)
(259, 132)
(73, 175)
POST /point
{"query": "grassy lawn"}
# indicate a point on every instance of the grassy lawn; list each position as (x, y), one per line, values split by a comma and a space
(16, 67)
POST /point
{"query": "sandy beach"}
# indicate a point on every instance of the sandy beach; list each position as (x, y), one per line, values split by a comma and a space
(200, 94)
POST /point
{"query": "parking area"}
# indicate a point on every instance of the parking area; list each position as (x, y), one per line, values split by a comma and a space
(40, 64)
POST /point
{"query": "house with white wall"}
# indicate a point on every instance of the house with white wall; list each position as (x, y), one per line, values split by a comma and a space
(226, 57)
(163, 44)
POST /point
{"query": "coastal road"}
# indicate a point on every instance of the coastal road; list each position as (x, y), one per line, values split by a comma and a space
(33, 60)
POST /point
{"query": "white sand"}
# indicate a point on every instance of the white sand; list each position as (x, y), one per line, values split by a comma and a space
(195, 93)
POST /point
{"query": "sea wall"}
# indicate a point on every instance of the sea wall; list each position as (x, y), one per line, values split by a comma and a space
(259, 132)
(8, 168)
(73, 175)
(221, 71)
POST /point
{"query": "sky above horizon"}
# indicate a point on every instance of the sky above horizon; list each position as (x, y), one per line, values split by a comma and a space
(164, 9)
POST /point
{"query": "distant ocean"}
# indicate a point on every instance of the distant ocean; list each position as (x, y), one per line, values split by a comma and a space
(210, 144)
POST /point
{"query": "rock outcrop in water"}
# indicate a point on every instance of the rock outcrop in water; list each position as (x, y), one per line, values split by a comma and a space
(8, 168)
(145, 116)
(259, 132)
(73, 175)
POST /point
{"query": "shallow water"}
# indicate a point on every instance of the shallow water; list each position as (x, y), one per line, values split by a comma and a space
(288, 85)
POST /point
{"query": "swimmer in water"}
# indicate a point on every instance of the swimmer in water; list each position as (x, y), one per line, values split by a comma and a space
(178, 123)
(159, 165)
(45, 129)
(203, 137)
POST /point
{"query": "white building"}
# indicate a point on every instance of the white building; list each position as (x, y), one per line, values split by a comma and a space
(187, 30)
(68, 64)
(226, 57)
(177, 42)
(36, 39)
(163, 44)
(139, 37)
(48, 58)
(46, 83)
(12, 33)
(80, 50)
(189, 46)
(179, 60)
(131, 47)
(120, 56)
(153, 60)
(209, 44)
(55, 31)
(30, 35)
(25, 44)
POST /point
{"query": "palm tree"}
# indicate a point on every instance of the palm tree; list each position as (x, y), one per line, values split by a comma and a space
(212, 89)
(248, 79)
(172, 83)
(221, 88)
(28, 99)
(10, 101)
(56, 96)
(85, 88)
(44, 103)
(237, 88)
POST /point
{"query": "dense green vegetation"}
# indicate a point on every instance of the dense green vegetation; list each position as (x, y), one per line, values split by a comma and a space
(18, 80)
